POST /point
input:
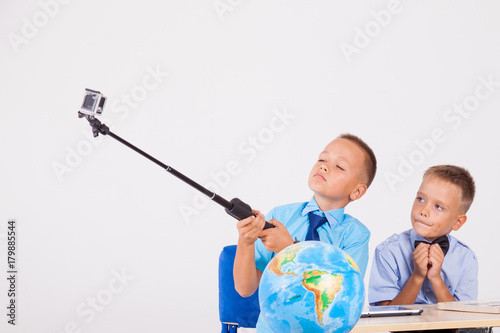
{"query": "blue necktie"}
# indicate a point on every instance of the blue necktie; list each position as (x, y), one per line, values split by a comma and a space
(315, 221)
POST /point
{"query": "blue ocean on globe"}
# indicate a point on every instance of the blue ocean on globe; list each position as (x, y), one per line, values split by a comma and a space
(311, 287)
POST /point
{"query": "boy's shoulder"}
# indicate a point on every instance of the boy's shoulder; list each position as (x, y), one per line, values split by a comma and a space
(396, 241)
(291, 206)
(460, 247)
(287, 209)
(458, 241)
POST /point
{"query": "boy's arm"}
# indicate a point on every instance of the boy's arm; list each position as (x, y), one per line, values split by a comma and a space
(410, 291)
(245, 273)
(408, 294)
(358, 249)
(467, 288)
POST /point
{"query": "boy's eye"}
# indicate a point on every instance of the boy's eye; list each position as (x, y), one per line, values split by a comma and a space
(420, 199)
(320, 160)
(338, 166)
(439, 207)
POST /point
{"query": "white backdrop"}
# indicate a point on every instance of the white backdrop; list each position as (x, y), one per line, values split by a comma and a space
(241, 96)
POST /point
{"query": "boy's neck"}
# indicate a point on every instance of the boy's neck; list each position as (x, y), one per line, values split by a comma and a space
(326, 204)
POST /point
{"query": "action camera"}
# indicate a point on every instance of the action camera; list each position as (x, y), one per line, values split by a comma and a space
(93, 103)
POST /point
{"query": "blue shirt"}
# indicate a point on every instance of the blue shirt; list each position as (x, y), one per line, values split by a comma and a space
(393, 265)
(341, 230)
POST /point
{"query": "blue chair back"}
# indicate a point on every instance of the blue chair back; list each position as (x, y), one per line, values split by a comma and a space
(234, 310)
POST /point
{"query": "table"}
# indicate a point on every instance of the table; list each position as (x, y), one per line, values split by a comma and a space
(431, 318)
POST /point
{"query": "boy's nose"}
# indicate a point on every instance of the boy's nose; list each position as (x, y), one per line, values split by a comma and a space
(424, 212)
(323, 167)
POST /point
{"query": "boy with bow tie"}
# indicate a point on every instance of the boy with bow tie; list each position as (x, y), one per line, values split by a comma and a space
(426, 265)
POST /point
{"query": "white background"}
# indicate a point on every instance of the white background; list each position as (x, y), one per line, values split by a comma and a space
(87, 209)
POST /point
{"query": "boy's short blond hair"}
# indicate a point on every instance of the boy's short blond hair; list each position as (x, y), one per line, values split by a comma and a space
(370, 165)
(457, 176)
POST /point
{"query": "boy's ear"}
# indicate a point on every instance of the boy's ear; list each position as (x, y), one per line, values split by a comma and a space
(461, 219)
(358, 192)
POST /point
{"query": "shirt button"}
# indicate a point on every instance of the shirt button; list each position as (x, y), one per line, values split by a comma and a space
(428, 290)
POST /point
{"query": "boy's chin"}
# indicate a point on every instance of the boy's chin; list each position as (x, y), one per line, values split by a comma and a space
(421, 230)
(425, 233)
(314, 187)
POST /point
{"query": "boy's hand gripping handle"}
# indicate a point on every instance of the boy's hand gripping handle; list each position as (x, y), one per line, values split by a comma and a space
(241, 210)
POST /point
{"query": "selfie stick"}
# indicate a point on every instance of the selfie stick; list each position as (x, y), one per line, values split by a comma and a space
(236, 208)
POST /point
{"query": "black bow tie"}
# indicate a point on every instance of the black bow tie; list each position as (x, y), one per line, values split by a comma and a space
(443, 242)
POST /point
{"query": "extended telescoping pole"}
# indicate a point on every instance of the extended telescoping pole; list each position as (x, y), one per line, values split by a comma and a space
(236, 208)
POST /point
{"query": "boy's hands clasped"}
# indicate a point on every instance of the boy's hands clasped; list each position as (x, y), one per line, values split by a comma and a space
(428, 260)
(274, 239)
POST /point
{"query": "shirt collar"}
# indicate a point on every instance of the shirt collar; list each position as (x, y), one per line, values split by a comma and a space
(334, 216)
(416, 237)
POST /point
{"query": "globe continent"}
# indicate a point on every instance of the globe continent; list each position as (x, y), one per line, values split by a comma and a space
(311, 287)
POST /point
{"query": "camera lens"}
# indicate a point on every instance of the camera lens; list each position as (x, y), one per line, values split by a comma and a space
(89, 101)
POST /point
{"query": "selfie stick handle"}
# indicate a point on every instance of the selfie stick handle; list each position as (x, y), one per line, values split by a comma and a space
(236, 208)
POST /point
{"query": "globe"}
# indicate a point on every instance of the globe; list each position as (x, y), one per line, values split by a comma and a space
(311, 287)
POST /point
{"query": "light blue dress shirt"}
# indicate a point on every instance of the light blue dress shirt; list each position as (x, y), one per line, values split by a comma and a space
(341, 230)
(393, 265)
